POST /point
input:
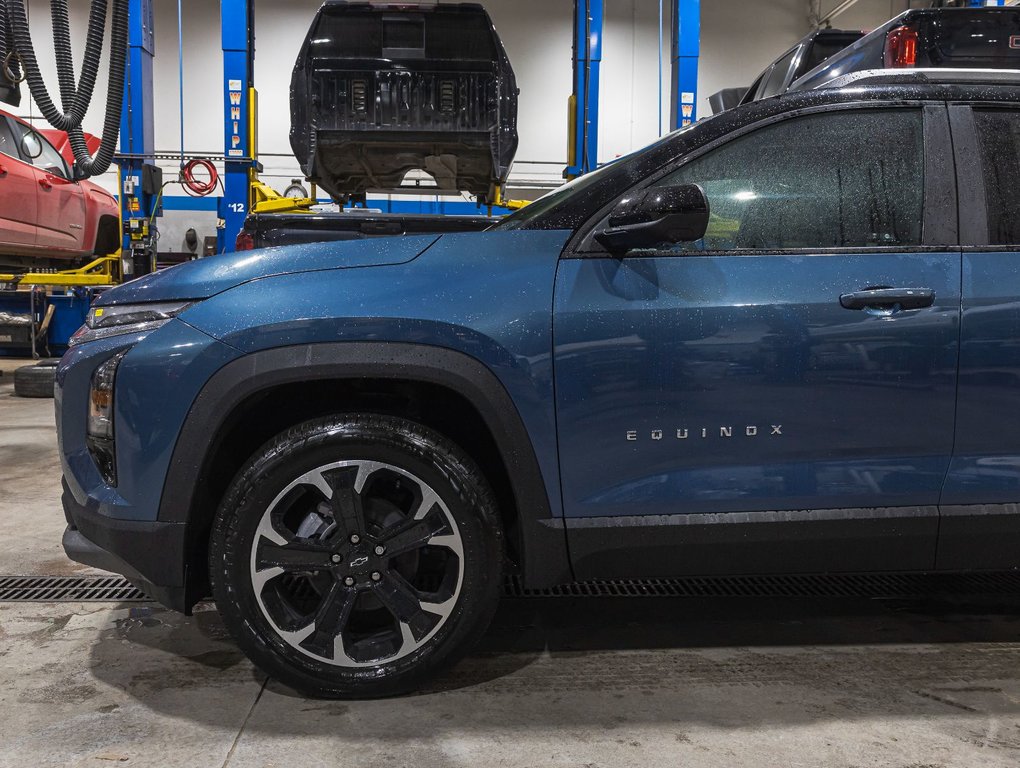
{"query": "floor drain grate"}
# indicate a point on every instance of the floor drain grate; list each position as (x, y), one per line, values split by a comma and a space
(850, 586)
(98, 589)
(68, 589)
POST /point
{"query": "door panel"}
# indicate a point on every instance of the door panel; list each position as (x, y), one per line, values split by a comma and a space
(981, 525)
(61, 215)
(736, 383)
(986, 462)
(728, 405)
(18, 196)
(727, 414)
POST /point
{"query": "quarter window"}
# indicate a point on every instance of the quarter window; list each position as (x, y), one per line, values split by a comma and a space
(837, 180)
(777, 77)
(999, 140)
(7, 144)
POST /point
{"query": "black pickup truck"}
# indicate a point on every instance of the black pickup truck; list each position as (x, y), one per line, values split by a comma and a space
(383, 89)
(386, 88)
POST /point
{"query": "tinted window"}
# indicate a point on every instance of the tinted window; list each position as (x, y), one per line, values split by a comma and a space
(403, 33)
(51, 161)
(752, 91)
(347, 35)
(43, 154)
(461, 36)
(358, 34)
(978, 38)
(999, 139)
(849, 179)
(777, 77)
(823, 47)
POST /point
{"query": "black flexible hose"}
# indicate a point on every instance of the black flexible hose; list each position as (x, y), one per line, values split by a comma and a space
(90, 65)
(86, 165)
(76, 97)
(3, 29)
(8, 57)
(71, 90)
(9, 61)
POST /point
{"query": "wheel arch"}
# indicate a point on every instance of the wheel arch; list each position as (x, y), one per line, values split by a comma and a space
(461, 394)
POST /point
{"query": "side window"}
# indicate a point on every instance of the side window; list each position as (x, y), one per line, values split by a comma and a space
(999, 142)
(8, 145)
(40, 153)
(752, 90)
(777, 77)
(835, 180)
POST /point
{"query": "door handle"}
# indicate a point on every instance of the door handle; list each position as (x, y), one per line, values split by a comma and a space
(3, 170)
(45, 184)
(888, 298)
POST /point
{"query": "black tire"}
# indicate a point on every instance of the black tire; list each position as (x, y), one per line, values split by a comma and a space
(35, 380)
(433, 463)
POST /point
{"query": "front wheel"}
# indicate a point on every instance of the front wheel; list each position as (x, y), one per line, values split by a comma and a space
(355, 555)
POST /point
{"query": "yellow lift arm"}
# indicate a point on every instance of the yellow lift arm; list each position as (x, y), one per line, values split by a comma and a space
(102, 271)
(265, 199)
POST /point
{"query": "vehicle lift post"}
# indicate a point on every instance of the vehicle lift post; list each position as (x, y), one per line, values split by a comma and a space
(240, 105)
(686, 48)
(589, 18)
(139, 184)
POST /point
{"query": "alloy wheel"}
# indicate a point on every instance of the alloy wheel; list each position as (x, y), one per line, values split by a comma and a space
(357, 563)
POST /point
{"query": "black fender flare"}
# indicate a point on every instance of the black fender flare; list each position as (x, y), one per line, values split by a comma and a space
(544, 557)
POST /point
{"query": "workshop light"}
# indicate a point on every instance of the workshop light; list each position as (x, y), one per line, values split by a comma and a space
(901, 47)
(99, 431)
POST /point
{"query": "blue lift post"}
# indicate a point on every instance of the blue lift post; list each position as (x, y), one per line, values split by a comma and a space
(589, 17)
(237, 19)
(686, 50)
(137, 143)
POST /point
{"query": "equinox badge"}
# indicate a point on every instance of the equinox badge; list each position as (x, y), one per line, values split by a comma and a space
(683, 433)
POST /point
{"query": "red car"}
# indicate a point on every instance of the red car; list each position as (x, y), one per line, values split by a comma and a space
(47, 219)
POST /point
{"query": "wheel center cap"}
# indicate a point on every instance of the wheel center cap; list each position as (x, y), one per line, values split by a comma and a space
(361, 560)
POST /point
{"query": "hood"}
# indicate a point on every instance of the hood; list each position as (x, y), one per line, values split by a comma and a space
(206, 277)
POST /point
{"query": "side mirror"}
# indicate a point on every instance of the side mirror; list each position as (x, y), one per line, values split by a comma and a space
(655, 216)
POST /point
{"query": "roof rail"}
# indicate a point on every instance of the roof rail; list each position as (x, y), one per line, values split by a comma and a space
(922, 76)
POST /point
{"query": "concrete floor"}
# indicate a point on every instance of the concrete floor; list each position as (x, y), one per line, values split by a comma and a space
(559, 682)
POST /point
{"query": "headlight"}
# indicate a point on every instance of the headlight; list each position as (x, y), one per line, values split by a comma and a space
(103, 322)
(99, 429)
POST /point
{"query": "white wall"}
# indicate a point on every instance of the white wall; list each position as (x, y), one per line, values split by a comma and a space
(868, 14)
(739, 38)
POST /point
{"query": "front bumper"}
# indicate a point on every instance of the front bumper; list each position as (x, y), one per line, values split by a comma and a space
(149, 554)
(118, 528)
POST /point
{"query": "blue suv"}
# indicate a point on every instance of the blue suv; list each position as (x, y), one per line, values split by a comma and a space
(783, 340)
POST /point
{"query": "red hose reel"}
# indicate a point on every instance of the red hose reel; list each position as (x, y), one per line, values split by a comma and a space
(195, 185)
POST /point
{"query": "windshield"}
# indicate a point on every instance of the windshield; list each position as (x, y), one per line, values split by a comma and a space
(577, 187)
